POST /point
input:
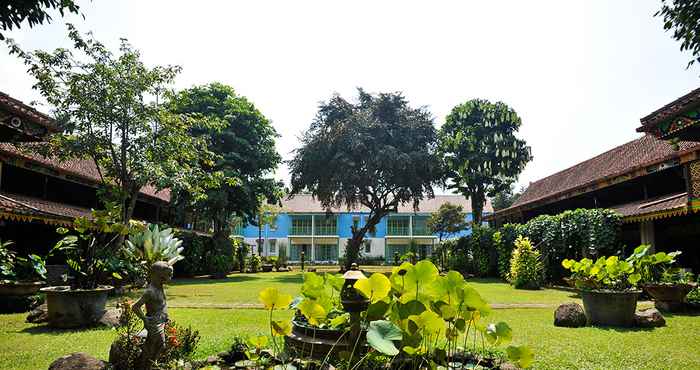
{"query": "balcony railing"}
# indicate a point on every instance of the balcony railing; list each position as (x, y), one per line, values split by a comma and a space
(398, 226)
(420, 227)
(325, 226)
(301, 226)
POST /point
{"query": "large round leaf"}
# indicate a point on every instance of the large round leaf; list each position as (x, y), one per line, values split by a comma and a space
(499, 334)
(313, 286)
(334, 280)
(272, 299)
(281, 328)
(428, 322)
(381, 335)
(522, 356)
(313, 311)
(375, 288)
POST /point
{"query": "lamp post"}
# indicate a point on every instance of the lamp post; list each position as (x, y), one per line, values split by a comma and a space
(354, 303)
(302, 260)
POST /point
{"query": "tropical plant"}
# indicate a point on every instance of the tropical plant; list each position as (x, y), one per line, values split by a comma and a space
(525, 265)
(448, 220)
(504, 243)
(378, 153)
(683, 17)
(152, 244)
(281, 255)
(656, 267)
(506, 198)
(609, 273)
(482, 155)
(254, 262)
(13, 267)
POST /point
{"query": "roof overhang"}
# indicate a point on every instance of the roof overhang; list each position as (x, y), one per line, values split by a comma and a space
(653, 209)
(679, 119)
(22, 123)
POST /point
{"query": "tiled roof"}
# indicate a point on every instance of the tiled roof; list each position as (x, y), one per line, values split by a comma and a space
(34, 207)
(19, 108)
(305, 203)
(679, 105)
(650, 206)
(628, 157)
(82, 168)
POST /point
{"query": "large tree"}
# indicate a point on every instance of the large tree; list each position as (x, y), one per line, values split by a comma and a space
(482, 156)
(244, 143)
(108, 108)
(506, 198)
(14, 12)
(448, 220)
(683, 18)
(376, 153)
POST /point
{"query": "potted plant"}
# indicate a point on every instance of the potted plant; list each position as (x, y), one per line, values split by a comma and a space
(88, 246)
(269, 263)
(667, 284)
(20, 276)
(608, 288)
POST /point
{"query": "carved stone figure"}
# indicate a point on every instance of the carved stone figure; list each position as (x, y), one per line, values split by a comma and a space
(156, 316)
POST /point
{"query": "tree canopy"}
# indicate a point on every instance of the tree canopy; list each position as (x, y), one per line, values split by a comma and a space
(108, 108)
(482, 156)
(683, 18)
(244, 142)
(506, 198)
(448, 220)
(14, 12)
(377, 153)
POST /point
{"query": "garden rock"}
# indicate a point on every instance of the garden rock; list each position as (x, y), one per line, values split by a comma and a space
(110, 318)
(78, 361)
(649, 318)
(570, 315)
(38, 315)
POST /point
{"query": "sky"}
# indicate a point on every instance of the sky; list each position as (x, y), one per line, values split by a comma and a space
(579, 73)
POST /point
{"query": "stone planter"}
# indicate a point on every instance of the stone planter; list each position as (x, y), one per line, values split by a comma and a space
(20, 288)
(73, 308)
(267, 268)
(323, 340)
(610, 308)
(669, 297)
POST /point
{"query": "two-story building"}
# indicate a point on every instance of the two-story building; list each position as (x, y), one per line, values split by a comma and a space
(304, 225)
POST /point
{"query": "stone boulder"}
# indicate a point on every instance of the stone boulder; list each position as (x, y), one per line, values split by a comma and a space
(78, 361)
(570, 315)
(38, 315)
(110, 318)
(649, 318)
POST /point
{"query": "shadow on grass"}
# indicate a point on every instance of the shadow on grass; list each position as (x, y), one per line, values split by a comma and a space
(486, 281)
(207, 281)
(620, 329)
(292, 278)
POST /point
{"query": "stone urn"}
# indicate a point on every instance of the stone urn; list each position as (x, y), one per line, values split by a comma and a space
(610, 308)
(20, 288)
(73, 308)
(308, 341)
(669, 297)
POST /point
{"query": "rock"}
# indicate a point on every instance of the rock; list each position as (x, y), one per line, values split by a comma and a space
(78, 361)
(110, 318)
(570, 315)
(38, 315)
(212, 360)
(649, 318)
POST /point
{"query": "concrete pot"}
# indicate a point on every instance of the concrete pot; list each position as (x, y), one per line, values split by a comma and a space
(74, 308)
(669, 297)
(609, 308)
(20, 288)
(307, 341)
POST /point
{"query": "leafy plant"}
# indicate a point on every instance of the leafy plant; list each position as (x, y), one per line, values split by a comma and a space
(609, 273)
(656, 267)
(254, 262)
(525, 265)
(219, 264)
(153, 244)
(504, 243)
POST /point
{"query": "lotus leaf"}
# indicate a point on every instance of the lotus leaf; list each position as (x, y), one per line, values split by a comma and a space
(375, 288)
(381, 335)
(272, 299)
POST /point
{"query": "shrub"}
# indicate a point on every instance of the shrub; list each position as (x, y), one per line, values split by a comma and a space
(254, 263)
(504, 242)
(197, 249)
(525, 266)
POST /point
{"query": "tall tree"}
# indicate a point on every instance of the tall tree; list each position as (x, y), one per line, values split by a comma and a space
(482, 156)
(683, 18)
(266, 216)
(244, 143)
(108, 107)
(14, 12)
(377, 153)
(448, 220)
(505, 198)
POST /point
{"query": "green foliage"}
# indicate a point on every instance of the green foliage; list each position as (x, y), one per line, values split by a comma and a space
(245, 149)
(482, 155)
(683, 18)
(376, 288)
(474, 254)
(13, 267)
(254, 263)
(381, 334)
(378, 153)
(656, 267)
(273, 299)
(197, 248)
(108, 108)
(525, 266)
(504, 243)
(505, 198)
(609, 273)
(152, 244)
(35, 12)
(448, 220)
(573, 234)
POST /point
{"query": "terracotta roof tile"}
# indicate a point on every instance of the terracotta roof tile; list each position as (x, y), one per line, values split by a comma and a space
(24, 205)
(635, 154)
(305, 203)
(19, 108)
(82, 168)
(679, 105)
(648, 206)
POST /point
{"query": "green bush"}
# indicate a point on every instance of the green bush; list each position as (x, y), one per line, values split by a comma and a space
(504, 242)
(525, 265)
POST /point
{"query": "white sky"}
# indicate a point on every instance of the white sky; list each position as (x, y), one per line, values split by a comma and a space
(580, 73)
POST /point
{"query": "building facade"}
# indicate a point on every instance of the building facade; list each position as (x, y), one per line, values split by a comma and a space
(304, 226)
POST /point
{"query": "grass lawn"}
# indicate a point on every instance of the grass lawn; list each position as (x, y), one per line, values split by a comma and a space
(30, 347)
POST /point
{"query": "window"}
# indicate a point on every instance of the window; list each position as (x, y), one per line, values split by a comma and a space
(356, 221)
(301, 225)
(326, 225)
(273, 246)
(398, 225)
(368, 246)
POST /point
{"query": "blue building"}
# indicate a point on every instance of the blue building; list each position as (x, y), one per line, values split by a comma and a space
(304, 225)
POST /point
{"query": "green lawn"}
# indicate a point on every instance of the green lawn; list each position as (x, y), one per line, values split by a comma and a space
(30, 347)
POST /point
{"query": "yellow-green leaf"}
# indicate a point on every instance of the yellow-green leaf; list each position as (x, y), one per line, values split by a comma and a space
(375, 288)
(272, 299)
(281, 327)
(313, 311)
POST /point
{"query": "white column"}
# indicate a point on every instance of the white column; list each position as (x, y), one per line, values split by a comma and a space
(646, 229)
(313, 233)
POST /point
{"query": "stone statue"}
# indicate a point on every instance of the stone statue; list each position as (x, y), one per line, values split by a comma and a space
(156, 316)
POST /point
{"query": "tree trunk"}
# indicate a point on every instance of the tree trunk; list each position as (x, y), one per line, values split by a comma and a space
(352, 249)
(477, 199)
